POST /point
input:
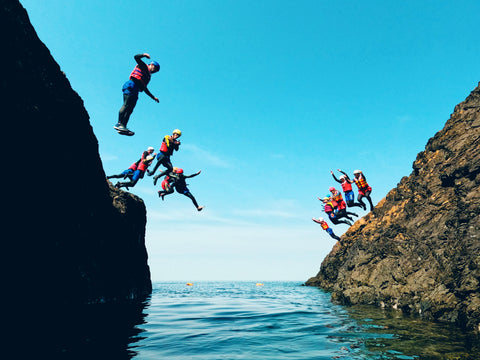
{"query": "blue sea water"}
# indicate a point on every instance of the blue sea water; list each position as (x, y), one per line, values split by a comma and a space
(283, 320)
(236, 320)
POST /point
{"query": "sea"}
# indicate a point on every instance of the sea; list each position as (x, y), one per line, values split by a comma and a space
(250, 320)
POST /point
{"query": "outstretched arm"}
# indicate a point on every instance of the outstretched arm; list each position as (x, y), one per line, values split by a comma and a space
(344, 173)
(146, 91)
(193, 175)
(331, 172)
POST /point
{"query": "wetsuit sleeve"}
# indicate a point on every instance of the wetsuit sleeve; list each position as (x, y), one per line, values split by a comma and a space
(190, 176)
(336, 179)
(146, 91)
(141, 64)
(344, 173)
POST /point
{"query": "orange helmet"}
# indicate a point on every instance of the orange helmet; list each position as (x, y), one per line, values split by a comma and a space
(179, 171)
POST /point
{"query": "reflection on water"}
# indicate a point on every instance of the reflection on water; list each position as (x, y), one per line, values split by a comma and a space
(238, 321)
(95, 331)
(395, 333)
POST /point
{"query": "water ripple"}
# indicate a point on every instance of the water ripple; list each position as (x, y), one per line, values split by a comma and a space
(280, 320)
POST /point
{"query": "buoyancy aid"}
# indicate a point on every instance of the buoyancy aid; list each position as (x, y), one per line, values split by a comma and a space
(167, 146)
(337, 196)
(134, 165)
(329, 207)
(141, 78)
(142, 163)
(361, 182)
(341, 205)
(346, 186)
(324, 225)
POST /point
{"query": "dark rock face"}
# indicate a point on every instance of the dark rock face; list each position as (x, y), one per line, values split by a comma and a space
(74, 239)
(419, 250)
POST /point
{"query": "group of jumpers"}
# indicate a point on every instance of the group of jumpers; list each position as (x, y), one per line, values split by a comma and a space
(336, 207)
(174, 177)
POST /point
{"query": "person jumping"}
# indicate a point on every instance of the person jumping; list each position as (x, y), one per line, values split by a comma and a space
(325, 227)
(329, 208)
(169, 145)
(347, 190)
(181, 186)
(138, 81)
(143, 164)
(128, 173)
(364, 190)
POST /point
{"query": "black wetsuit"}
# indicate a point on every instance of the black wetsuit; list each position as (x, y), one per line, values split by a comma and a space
(181, 186)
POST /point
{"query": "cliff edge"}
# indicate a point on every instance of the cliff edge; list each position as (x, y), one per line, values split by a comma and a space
(419, 250)
(71, 237)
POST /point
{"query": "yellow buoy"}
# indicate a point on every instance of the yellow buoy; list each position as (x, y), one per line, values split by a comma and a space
(189, 284)
(259, 284)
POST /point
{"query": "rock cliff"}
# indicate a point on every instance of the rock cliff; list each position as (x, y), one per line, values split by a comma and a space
(419, 250)
(72, 238)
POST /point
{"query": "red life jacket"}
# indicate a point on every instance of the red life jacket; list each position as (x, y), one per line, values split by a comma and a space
(142, 76)
(360, 181)
(341, 205)
(324, 225)
(134, 165)
(142, 166)
(164, 183)
(346, 186)
(329, 207)
(167, 146)
(337, 196)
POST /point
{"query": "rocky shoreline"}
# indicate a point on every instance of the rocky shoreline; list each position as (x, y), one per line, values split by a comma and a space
(419, 250)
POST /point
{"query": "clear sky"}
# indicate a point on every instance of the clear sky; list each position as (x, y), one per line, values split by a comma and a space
(270, 96)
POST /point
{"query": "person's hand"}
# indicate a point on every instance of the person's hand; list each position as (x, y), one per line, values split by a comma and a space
(331, 172)
(199, 172)
(146, 55)
(156, 99)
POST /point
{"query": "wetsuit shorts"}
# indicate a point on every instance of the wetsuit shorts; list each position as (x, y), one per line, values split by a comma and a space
(128, 172)
(138, 174)
(329, 230)
(349, 196)
(130, 88)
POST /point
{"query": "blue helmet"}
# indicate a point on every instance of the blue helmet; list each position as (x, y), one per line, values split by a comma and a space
(156, 64)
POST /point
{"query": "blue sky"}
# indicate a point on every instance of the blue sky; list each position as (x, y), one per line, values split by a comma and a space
(270, 96)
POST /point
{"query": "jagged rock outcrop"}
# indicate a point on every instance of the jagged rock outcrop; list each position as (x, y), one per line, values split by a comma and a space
(71, 238)
(419, 250)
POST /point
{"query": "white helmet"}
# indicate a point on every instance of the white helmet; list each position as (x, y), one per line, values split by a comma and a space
(357, 172)
(320, 219)
(150, 148)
